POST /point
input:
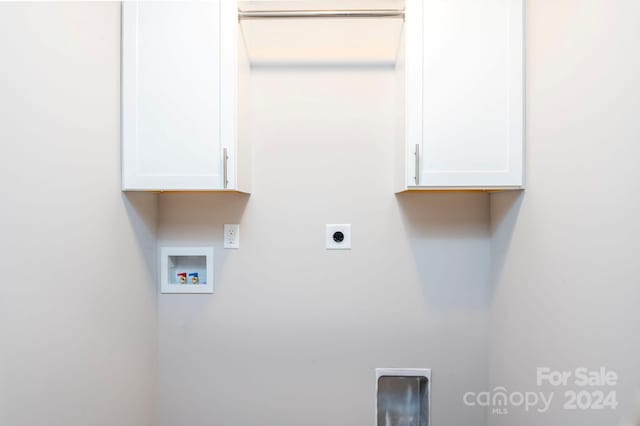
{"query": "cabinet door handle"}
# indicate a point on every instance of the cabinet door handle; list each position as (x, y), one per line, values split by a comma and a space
(416, 177)
(225, 168)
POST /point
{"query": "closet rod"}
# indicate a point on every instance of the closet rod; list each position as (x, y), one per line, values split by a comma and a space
(285, 14)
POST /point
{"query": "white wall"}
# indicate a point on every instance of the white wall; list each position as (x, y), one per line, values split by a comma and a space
(293, 332)
(565, 254)
(78, 301)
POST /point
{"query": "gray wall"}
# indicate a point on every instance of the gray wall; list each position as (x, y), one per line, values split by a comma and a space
(293, 332)
(78, 302)
(565, 254)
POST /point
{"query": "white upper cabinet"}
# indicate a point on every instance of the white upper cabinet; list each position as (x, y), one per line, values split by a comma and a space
(179, 96)
(463, 118)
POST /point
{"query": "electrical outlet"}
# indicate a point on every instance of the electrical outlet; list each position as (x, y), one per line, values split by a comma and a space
(338, 237)
(231, 236)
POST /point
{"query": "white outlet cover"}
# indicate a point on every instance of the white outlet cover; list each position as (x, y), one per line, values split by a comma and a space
(332, 244)
(231, 236)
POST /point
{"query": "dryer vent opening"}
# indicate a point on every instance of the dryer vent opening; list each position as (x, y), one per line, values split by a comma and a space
(402, 397)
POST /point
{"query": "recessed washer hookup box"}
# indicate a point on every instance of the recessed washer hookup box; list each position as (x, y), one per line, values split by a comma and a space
(186, 270)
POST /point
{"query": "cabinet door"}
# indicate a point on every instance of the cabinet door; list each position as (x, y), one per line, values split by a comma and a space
(470, 130)
(171, 96)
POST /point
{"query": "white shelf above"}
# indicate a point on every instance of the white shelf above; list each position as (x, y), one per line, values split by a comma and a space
(322, 41)
(319, 4)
